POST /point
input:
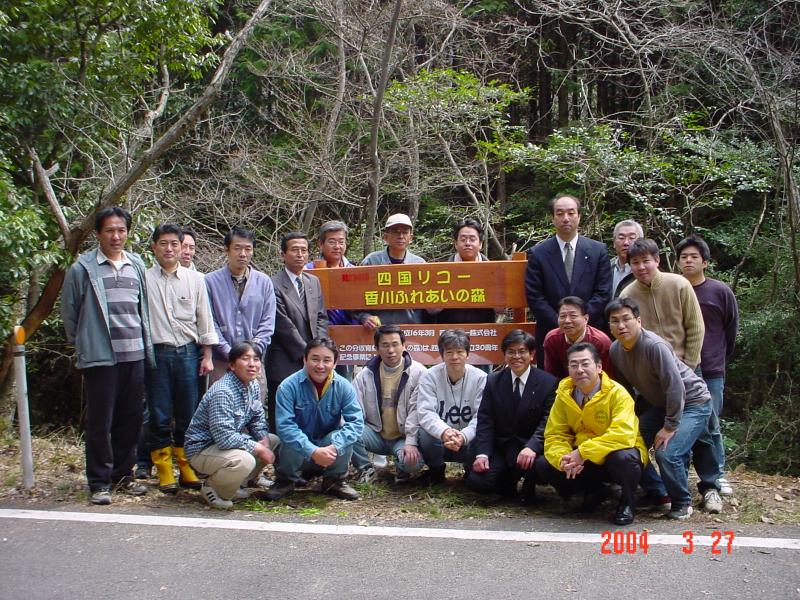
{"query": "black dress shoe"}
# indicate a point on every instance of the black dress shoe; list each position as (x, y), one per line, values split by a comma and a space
(624, 515)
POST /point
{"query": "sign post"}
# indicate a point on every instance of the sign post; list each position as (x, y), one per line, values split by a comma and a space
(23, 416)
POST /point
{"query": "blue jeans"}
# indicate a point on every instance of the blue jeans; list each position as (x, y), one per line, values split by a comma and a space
(716, 386)
(691, 439)
(291, 463)
(435, 454)
(172, 393)
(371, 441)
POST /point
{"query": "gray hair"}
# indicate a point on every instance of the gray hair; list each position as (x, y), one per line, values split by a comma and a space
(629, 223)
(330, 227)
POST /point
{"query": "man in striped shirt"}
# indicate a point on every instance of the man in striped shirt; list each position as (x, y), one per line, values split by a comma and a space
(105, 313)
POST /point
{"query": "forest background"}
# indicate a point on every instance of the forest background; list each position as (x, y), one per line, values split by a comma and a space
(275, 115)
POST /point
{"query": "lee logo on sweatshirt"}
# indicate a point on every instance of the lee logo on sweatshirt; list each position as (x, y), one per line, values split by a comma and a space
(455, 416)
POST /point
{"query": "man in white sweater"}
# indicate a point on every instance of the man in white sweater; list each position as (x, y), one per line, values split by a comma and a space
(448, 397)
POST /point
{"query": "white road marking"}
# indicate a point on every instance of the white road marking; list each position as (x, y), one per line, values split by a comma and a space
(370, 530)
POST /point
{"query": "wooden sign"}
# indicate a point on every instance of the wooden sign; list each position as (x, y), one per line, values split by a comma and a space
(485, 284)
(356, 344)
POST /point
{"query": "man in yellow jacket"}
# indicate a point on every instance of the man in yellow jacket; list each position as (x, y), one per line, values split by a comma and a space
(592, 436)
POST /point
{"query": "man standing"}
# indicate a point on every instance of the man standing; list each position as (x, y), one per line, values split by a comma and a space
(592, 436)
(511, 419)
(182, 328)
(468, 240)
(105, 314)
(668, 305)
(242, 301)
(448, 398)
(397, 234)
(227, 439)
(573, 327)
(188, 248)
(721, 320)
(385, 388)
(299, 315)
(675, 422)
(566, 264)
(319, 420)
(625, 233)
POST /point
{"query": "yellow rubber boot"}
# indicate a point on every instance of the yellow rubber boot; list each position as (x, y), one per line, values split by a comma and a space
(188, 477)
(162, 459)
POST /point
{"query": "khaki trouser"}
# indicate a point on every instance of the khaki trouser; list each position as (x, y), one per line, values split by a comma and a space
(227, 470)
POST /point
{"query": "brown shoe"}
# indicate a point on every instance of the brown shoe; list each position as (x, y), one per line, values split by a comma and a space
(339, 488)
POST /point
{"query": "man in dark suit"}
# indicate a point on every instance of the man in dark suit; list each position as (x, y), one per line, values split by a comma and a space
(299, 315)
(511, 421)
(566, 264)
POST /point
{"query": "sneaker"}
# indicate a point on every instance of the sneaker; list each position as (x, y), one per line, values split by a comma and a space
(680, 513)
(128, 485)
(260, 482)
(142, 472)
(712, 502)
(241, 494)
(379, 460)
(101, 497)
(654, 502)
(213, 500)
(725, 488)
(367, 475)
(339, 488)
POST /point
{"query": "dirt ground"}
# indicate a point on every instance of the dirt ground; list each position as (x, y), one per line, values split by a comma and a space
(58, 457)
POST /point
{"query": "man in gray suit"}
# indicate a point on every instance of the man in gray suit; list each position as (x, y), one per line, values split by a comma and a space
(300, 316)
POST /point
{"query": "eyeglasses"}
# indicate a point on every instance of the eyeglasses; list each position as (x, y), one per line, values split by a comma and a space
(626, 319)
(575, 365)
(516, 353)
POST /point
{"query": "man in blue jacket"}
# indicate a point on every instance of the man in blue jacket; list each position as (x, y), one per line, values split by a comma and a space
(319, 420)
(104, 309)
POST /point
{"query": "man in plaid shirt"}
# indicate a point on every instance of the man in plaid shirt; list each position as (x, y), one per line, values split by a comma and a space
(228, 439)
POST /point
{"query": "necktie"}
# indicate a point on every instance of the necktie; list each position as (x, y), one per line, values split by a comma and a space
(517, 391)
(569, 259)
(301, 289)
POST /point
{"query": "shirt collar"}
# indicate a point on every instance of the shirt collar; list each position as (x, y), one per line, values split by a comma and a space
(101, 258)
(523, 378)
(582, 398)
(291, 275)
(562, 243)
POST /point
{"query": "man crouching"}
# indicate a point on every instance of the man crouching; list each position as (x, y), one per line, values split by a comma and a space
(227, 439)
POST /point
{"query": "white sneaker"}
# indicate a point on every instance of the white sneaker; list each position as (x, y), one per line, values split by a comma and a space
(379, 461)
(213, 500)
(725, 488)
(367, 475)
(712, 502)
(260, 482)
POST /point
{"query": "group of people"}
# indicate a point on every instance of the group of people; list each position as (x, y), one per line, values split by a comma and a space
(584, 417)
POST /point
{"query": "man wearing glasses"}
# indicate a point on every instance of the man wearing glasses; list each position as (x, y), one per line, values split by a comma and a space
(625, 233)
(511, 420)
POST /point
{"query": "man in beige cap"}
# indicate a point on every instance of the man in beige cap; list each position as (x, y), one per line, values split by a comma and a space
(398, 235)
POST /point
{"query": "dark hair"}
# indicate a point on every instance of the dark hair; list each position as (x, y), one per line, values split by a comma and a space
(697, 242)
(107, 213)
(518, 336)
(621, 303)
(468, 222)
(453, 338)
(166, 228)
(239, 348)
(386, 330)
(573, 301)
(581, 346)
(292, 235)
(331, 227)
(239, 232)
(189, 231)
(322, 343)
(552, 204)
(642, 247)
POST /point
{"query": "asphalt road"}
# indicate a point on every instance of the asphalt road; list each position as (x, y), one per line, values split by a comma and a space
(189, 557)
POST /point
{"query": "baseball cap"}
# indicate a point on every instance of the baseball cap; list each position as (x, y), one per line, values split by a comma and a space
(398, 219)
